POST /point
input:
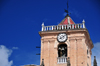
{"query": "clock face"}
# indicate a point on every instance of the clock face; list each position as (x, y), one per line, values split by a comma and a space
(62, 37)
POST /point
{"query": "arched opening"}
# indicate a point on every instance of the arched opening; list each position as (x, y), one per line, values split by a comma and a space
(87, 52)
(62, 50)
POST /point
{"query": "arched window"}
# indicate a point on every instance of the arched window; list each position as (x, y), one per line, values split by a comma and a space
(62, 50)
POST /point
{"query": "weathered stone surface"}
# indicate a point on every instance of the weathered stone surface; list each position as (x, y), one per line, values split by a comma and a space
(78, 43)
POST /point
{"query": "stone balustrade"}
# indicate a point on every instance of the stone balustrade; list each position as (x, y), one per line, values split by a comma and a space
(63, 27)
(62, 60)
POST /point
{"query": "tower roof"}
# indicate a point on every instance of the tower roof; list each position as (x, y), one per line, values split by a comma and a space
(67, 20)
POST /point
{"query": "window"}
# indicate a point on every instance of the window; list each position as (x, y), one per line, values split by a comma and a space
(87, 51)
(62, 50)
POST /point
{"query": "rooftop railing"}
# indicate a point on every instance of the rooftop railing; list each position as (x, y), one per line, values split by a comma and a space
(63, 27)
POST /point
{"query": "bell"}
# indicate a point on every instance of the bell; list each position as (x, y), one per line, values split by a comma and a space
(62, 48)
(59, 48)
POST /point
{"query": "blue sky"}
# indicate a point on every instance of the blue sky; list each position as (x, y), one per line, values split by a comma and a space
(20, 22)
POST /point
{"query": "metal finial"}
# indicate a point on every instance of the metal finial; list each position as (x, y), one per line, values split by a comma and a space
(43, 24)
(95, 62)
(67, 10)
(94, 57)
(83, 21)
(42, 64)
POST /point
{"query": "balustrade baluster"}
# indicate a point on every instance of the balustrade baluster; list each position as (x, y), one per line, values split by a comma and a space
(63, 60)
(72, 26)
(78, 25)
(42, 28)
(60, 60)
(52, 27)
(81, 26)
(67, 27)
(62, 27)
(75, 26)
(45, 29)
(57, 27)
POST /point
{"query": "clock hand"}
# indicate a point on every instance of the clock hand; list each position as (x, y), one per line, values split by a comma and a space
(63, 37)
(60, 37)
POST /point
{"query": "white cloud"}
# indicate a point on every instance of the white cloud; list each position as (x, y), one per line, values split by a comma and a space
(15, 48)
(4, 55)
(96, 52)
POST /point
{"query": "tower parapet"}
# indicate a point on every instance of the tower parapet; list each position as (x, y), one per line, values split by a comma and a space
(65, 26)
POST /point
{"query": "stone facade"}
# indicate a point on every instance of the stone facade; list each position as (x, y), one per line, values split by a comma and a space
(79, 47)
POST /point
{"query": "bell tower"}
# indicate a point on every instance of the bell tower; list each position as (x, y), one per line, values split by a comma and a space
(65, 44)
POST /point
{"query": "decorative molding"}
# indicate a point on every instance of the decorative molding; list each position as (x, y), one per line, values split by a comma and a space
(57, 43)
(67, 43)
